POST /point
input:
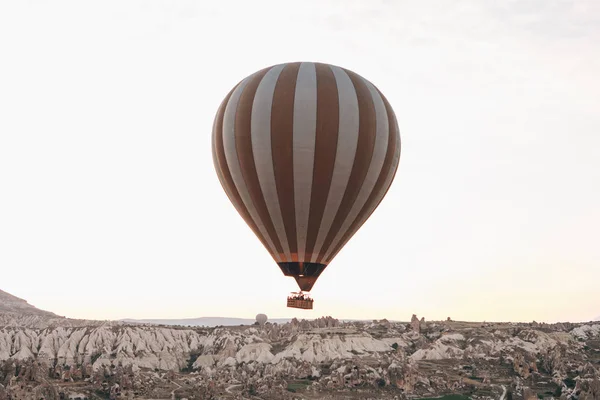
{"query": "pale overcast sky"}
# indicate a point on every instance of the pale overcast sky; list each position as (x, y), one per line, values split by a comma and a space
(110, 206)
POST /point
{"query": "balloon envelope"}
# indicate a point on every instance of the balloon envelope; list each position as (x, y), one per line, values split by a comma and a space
(261, 319)
(305, 152)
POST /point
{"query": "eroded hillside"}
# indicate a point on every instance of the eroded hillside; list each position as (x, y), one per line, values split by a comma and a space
(303, 359)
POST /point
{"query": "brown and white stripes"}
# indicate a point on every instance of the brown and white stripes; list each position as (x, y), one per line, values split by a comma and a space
(305, 152)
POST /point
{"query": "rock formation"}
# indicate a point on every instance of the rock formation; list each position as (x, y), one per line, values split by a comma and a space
(320, 358)
(415, 324)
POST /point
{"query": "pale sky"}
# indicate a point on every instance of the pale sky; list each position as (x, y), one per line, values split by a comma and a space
(110, 206)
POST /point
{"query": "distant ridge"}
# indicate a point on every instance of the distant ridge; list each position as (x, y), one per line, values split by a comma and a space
(15, 305)
(203, 321)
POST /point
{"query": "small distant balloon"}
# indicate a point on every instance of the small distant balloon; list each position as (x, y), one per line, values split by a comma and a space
(261, 319)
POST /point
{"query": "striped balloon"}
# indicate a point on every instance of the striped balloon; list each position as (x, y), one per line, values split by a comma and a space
(305, 152)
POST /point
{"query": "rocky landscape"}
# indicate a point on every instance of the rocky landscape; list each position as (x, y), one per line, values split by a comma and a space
(43, 356)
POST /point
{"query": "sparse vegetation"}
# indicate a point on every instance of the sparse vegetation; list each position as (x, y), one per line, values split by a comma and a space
(95, 357)
(448, 397)
(252, 390)
(558, 391)
(193, 357)
(298, 385)
(570, 382)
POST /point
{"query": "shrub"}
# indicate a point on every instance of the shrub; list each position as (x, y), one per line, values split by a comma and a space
(570, 382)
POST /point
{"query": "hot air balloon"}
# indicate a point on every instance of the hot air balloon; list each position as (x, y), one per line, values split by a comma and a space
(261, 319)
(305, 152)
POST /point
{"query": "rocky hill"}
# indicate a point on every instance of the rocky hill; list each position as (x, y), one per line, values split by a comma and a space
(17, 312)
(43, 356)
(14, 305)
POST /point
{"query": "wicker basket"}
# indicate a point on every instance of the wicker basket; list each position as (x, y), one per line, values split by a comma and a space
(303, 304)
